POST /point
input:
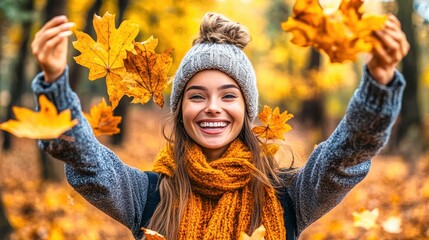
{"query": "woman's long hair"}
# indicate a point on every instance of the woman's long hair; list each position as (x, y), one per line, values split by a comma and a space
(175, 191)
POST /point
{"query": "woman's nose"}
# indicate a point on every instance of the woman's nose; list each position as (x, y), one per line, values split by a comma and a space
(213, 107)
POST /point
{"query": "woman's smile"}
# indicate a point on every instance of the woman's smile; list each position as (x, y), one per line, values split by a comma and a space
(213, 127)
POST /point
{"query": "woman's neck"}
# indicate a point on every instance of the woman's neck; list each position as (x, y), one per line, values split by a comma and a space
(213, 154)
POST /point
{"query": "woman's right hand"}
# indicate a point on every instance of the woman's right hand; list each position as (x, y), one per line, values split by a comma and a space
(49, 47)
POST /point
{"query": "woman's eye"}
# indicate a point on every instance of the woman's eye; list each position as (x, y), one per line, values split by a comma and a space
(196, 97)
(230, 96)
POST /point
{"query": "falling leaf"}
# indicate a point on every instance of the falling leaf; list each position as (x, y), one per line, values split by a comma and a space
(46, 124)
(392, 225)
(366, 219)
(270, 149)
(152, 235)
(342, 33)
(258, 234)
(104, 57)
(102, 120)
(147, 72)
(275, 125)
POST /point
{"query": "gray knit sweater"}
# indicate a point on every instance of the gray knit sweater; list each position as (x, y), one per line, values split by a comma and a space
(332, 170)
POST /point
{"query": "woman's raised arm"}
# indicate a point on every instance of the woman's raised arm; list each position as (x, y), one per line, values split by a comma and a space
(49, 47)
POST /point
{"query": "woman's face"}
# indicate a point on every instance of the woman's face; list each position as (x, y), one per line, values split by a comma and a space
(213, 111)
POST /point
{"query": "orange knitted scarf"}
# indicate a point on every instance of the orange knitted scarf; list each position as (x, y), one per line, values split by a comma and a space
(221, 203)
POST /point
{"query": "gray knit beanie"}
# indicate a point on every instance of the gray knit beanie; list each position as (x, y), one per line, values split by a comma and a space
(219, 47)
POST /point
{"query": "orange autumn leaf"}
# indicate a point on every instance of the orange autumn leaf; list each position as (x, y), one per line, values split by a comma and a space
(270, 148)
(46, 124)
(152, 235)
(104, 57)
(147, 72)
(342, 34)
(102, 120)
(274, 123)
(258, 234)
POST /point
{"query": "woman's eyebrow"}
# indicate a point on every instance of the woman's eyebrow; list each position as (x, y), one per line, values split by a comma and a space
(226, 86)
(223, 87)
(197, 87)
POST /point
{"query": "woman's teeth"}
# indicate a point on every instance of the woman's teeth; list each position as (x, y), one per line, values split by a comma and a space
(213, 124)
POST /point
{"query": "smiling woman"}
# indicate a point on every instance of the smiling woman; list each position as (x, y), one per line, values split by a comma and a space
(213, 180)
(213, 111)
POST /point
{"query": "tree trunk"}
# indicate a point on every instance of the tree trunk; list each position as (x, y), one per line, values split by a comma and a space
(5, 227)
(409, 137)
(312, 114)
(18, 82)
(52, 170)
(122, 108)
(17, 89)
(55, 8)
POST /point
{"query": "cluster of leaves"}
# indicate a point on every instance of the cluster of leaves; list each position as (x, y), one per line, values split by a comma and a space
(131, 68)
(342, 33)
(272, 129)
(49, 124)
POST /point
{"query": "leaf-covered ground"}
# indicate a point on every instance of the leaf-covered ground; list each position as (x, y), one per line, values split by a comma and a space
(54, 211)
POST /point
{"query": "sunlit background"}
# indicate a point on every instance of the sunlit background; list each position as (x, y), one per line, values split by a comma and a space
(38, 204)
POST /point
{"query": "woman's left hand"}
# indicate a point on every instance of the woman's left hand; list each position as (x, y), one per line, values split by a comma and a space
(385, 56)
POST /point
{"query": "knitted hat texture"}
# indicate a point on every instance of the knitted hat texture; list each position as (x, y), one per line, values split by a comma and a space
(227, 58)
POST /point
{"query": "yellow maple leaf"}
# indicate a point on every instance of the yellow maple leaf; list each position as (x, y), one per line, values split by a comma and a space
(275, 125)
(147, 72)
(152, 235)
(366, 219)
(46, 124)
(104, 57)
(102, 120)
(258, 234)
(342, 33)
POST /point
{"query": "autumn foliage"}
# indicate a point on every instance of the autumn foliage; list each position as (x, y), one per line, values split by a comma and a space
(45, 124)
(272, 129)
(102, 120)
(147, 72)
(104, 57)
(340, 34)
(130, 68)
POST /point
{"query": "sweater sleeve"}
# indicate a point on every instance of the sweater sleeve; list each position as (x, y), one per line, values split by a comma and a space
(91, 168)
(343, 160)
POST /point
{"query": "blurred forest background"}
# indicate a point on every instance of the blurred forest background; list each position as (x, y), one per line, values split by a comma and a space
(37, 203)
